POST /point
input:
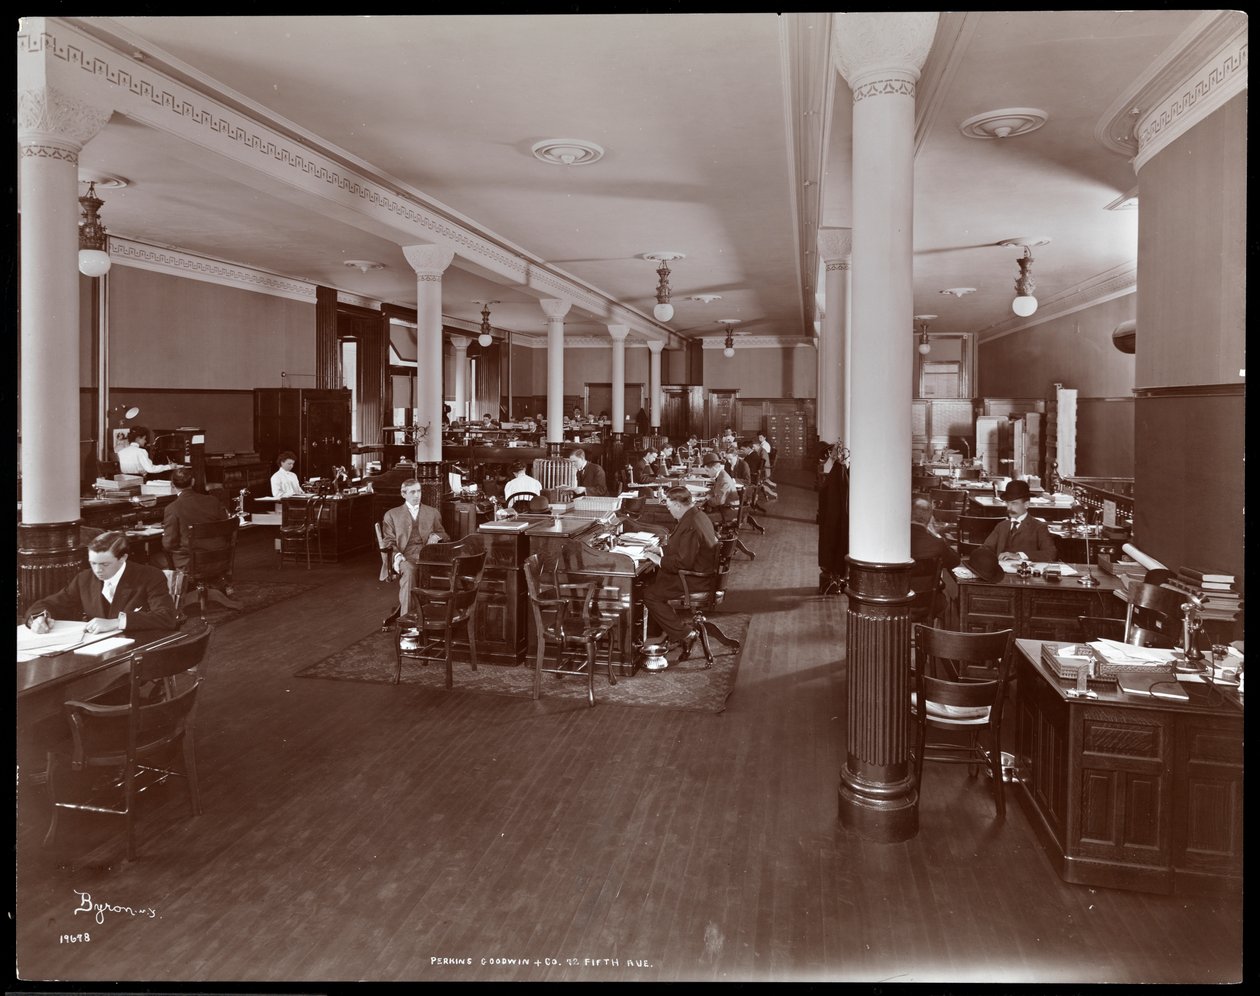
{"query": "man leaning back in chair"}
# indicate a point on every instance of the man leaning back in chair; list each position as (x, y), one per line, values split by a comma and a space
(405, 532)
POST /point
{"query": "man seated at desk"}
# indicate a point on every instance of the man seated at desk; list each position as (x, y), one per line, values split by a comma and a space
(406, 530)
(487, 421)
(134, 458)
(665, 459)
(285, 483)
(724, 489)
(591, 480)
(645, 467)
(692, 546)
(738, 466)
(1021, 536)
(189, 508)
(925, 542)
(111, 594)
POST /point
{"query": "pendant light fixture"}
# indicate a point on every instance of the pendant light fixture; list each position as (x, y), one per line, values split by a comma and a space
(729, 347)
(925, 345)
(663, 311)
(93, 255)
(485, 339)
(1025, 304)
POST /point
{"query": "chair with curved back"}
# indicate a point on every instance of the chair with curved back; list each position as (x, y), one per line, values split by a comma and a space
(522, 498)
(973, 530)
(948, 498)
(432, 629)
(959, 684)
(302, 524)
(133, 738)
(211, 550)
(1101, 628)
(387, 568)
(703, 592)
(925, 582)
(567, 619)
(1155, 609)
(729, 519)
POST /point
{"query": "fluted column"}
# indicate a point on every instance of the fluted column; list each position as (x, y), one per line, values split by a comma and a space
(834, 246)
(880, 55)
(654, 383)
(555, 310)
(52, 128)
(429, 262)
(618, 334)
(461, 345)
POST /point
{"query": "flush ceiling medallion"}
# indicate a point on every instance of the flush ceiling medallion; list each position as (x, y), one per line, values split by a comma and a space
(567, 152)
(363, 264)
(957, 291)
(1005, 123)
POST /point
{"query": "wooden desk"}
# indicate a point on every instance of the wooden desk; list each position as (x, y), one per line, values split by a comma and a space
(349, 528)
(1034, 607)
(1128, 792)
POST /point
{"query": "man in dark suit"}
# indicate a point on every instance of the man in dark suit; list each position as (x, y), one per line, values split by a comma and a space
(1020, 536)
(591, 480)
(189, 508)
(644, 467)
(925, 543)
(406, 530)
(111, 594)
(692, 546)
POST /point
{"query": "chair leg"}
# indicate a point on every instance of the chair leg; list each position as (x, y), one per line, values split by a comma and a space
(739, 545)
(714, 630)
(129, 795)
(612, 678)
(190, 772)
(538, 665)
(472, 641)
(53, 768)
(450, 671)
(592, 655)
(702, 626)
(756, 525)
(398, 654)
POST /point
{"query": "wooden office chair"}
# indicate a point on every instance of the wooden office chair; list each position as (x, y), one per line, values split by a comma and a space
(520, 501)
(1101, 628)
(567, 618)
(1153, 608)
(211, 550)
(703, 592)
(431, 630)
(134, 738)
(959, 684)
(948, 498)
(973, 530)
(301, 528)
(947, 525)
(727, 521)
(925, 582)
(387, 567)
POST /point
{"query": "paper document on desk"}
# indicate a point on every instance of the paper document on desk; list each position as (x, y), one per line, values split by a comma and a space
(638, 539)
(64, 634)
(1115, 652)
(1012, 567)
(964, 573)
(635, 553)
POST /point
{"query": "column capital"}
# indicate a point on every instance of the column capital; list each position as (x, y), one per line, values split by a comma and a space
(459, 343)
(554, 308)
(51, 118)
(619, 332)
(428, 261)
(835, 244)
(882, 52)
(655, 345)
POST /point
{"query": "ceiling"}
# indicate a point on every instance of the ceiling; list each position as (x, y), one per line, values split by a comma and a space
(726, 138)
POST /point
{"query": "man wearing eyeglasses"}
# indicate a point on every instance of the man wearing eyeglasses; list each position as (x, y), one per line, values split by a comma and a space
(406, 531)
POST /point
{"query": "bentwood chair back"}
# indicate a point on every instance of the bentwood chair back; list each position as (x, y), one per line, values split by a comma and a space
(925, 582)
(140, 739)
(1152, 607)
(302, 523)
(432, 629)
(567, 619)
(211, 550)
(959, 684)
(973, 530)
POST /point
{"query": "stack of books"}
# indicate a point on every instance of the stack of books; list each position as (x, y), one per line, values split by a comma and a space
(1216, 589)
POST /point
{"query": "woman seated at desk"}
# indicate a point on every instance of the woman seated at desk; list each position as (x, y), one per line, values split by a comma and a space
(285, 483)
(134, 458)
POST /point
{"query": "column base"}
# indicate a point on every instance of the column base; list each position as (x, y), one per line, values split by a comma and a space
(553, 450)
(49, 556)
(877, 796)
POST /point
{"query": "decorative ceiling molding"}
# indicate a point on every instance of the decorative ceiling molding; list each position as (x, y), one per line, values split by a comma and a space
(1117, 282)
(1196, 75)
(757, 342)
(282, 152)
(176, 263)
(954, 32)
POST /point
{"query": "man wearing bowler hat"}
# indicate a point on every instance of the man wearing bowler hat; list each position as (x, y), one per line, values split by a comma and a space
(1020, 536)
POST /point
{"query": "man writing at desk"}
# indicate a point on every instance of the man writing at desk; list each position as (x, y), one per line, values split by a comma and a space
(591, 479)
(111, 594)
(1021, 536)
(692, 546)
(134, 458)
(407, 530)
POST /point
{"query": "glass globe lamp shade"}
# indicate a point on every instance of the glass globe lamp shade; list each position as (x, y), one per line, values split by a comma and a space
(728, 352)
(1024, 305)
(93, 262)
(925, 348)
(663, 312)
(484, 339)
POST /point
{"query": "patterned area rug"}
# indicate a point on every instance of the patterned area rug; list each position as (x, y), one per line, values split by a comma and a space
(687, 686)
(251, 595)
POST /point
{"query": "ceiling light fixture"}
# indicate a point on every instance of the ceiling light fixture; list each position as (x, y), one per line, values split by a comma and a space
(485, 339)
(729, 346)
(958, 291)
(93, 239)
(1005, 123)
(567, 152)
(1025, 304)
(363, 265)
(925, 346)
(663, 311)
(705, 298)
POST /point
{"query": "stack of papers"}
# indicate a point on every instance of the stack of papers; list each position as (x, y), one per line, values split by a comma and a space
(638, 539)
(64, 634)
(1115, 652)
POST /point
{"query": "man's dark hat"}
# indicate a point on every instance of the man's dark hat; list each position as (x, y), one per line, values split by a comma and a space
(539, 503)
(984, 564)
(710, 459)
(1016, 491)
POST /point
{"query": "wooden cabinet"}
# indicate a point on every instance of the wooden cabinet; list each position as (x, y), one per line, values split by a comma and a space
(1131, 793)
(789, 436)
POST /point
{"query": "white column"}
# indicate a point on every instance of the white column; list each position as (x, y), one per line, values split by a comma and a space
(52, 128)
(555, 310)
(880, 55)
(429, 262)
(461, 345)
(834, 245)
(618, 334)
(654, 383)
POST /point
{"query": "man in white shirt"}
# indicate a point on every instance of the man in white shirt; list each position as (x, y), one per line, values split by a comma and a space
(134, 458)
(520, 484)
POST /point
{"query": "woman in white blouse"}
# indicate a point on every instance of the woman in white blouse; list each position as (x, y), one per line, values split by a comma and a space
(284, 482)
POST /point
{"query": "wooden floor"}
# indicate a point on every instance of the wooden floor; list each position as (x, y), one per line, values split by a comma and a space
(368, 832)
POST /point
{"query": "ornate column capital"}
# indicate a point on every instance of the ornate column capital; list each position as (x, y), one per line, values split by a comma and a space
(835, 244)
(655, 345)
(49, 118)
(618, 332)
(429, 261)
(554, 308)
(460, 344)
(882, 52)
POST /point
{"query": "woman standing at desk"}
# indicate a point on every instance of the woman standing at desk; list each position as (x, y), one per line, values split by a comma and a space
(285, 483)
